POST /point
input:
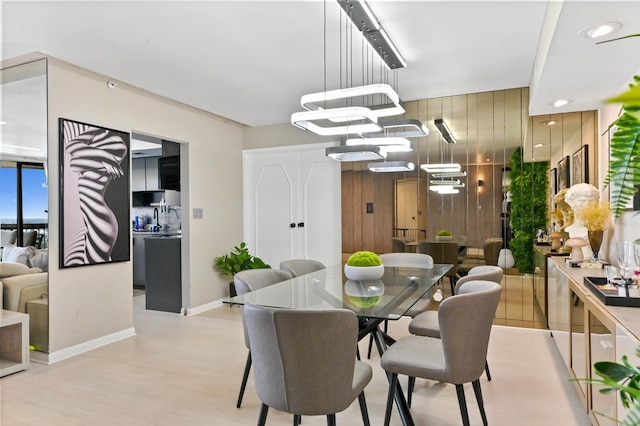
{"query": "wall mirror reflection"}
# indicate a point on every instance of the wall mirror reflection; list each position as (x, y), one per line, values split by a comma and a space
(24, 196)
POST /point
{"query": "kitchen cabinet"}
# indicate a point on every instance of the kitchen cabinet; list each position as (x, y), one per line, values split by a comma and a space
(163, 290)
(139, 278)
(144, 174)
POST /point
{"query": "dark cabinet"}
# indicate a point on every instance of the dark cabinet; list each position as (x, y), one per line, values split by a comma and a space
(163, 290)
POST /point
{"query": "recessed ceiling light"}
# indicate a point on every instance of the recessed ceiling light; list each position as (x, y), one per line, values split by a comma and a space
(600, 30)
(560, 102)
(549, 122)
(538, 145)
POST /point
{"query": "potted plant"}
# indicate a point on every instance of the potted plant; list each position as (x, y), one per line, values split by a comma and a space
(624, 168)
(239, 259)
(444, 235)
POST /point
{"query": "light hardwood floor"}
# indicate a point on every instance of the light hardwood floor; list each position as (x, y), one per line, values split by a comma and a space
(182, 370)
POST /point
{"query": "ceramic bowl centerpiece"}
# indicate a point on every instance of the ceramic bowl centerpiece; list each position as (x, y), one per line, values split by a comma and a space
(363, 265)
(444, 235)
(364, 294)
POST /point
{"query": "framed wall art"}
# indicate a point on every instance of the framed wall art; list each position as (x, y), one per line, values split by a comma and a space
(580, 166)
(94, 194)
(563, 173)
(553, 185)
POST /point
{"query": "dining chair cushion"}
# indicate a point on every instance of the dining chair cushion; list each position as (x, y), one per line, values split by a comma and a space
(297, 267)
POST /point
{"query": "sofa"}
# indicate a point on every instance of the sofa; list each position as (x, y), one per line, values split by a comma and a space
(23, 276)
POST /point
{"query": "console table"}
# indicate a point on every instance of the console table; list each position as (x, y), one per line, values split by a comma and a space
(14, 342)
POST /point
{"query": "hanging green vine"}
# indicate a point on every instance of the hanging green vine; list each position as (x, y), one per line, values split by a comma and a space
(529, 183)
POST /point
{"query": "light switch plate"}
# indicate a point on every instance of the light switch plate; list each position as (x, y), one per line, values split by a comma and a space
(198, 213)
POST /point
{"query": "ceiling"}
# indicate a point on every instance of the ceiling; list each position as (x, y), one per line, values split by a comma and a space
(250, 61)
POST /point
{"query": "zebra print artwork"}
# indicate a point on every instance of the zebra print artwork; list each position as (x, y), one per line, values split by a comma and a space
(94, 176)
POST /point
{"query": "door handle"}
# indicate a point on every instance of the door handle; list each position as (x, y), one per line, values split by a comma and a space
(301, 225)
(292, 225)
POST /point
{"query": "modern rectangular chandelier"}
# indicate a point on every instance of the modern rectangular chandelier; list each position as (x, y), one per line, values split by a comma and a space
(351, 120)
(390, 144)
(356, 153)
(391, 105)
(444, 130)
(441, 168)
(391, 166)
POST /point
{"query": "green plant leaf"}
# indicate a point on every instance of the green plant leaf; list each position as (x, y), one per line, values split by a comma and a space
(630, 97)
(613, 370)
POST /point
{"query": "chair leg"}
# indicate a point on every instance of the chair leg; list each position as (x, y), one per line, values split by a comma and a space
(245, 376)
(410, 387)
(262, 418)
(463, 405)
(331, 420)
(486, 370)
(363, 409)
(297, 419)
(478, 392)
(370, 346)
(392, 390)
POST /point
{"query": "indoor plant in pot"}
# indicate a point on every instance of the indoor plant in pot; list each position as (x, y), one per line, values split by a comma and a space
(363, 265)
(239, 259)
(444, 235)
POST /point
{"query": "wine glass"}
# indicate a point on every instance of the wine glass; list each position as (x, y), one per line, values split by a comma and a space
(611, 272)
(625, 258)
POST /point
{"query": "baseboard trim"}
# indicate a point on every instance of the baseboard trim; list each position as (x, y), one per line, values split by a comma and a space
(203, 308)
(70, 352)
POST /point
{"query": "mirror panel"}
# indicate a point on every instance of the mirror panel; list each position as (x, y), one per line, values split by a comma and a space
(23, 180)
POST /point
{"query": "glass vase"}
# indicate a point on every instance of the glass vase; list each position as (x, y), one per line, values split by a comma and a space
(595, 241)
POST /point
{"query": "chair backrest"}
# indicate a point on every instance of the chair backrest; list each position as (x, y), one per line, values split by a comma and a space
(253, 279)
(303, 360)
(297, 267)
(482, 273)
(491, 249)
(418, 260)
(441, 252)
(397, 245)
(29, 238)
(465, 326)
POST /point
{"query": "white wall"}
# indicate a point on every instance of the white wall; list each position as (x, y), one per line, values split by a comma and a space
(91, 302)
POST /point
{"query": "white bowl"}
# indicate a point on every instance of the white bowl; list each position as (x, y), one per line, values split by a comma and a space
(362, 273)
(444, 237)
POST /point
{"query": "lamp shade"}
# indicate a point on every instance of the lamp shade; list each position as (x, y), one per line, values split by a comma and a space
(355, 153)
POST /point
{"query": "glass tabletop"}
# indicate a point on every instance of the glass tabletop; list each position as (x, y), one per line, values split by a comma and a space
(390, 297)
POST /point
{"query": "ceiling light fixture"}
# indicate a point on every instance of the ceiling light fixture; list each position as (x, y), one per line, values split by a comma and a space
(391, 105)
(444, 130)
(444, 189)
(356, 153)
(444, 181)
(600, 30)
(401, 129)
(441, 168)
(560, 102)
(365, 21)
(391, 166)
(538, 145)
(391, 144)
(353, 119)
(449, 174)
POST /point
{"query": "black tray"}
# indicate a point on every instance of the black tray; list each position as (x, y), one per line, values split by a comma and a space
(610, 297)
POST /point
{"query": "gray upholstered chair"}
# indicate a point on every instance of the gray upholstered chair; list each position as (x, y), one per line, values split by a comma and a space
(443, 252)
(491, 249)
(418, 260)
(398, 245)
(246, 281)
(305, 361)
(459, 356)
(426, 323)
(297, 267)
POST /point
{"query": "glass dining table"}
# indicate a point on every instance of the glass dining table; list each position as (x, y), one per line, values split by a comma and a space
(373, 301)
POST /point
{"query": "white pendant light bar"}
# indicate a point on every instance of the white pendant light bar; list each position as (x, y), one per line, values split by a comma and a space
(358, 120)
(389, 144)
(444, 181)
(441, 168)
(356, 153)
(390, 106)
(449, 174)
(444, 190)
(391, 166)
(419, 129)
